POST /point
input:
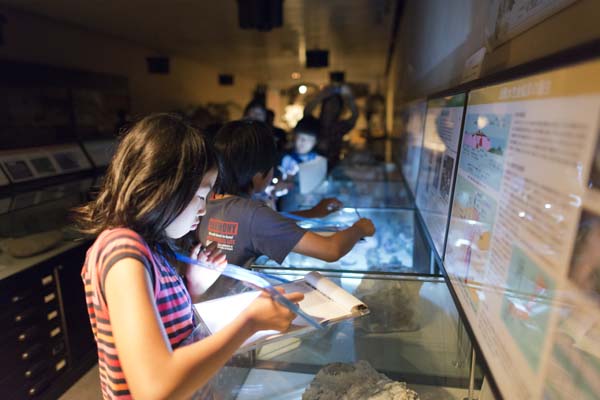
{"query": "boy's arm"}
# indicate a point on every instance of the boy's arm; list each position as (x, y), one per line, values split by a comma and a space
(332, 248)
(324, 208)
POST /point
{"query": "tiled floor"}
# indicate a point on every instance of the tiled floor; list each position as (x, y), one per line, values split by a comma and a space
(86, 388)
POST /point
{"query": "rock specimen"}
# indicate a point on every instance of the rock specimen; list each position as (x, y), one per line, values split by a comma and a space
(394, 305)
(358, 381)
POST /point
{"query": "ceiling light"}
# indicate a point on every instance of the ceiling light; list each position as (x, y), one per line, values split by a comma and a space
(302, 89)
(296, 75)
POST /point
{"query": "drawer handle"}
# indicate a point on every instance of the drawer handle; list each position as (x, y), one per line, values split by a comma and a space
(49, 297)
(31, 352)
(28, 334)
(55, 332)
(25, 315)
(46, 280)
(36, 370)
(52, 315)
(60, 365)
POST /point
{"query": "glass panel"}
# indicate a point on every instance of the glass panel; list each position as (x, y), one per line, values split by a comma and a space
(438, 164)
(353, 194)
(389, 250)
(411, 335)
(523, 251)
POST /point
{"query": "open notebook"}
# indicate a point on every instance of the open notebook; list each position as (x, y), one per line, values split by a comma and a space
(323, 300)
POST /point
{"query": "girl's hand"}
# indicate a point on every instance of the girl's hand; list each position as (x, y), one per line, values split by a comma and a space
(327, 206)
(210, 254)
(265, 313)
(200, 279)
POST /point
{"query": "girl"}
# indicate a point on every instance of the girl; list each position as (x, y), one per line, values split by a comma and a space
(140, 311)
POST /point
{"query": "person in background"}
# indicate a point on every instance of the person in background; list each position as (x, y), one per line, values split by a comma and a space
(140, 310)
(244, 228)
(278, 133)
(256, 110)
(306, 133)
(333, 99)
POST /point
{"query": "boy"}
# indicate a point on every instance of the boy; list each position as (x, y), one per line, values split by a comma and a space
(306, 133)
(244, 228)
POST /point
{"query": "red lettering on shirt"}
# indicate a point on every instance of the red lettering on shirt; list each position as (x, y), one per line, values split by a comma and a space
(222, 227)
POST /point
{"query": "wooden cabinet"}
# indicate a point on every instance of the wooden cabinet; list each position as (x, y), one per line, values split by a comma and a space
(46, 341)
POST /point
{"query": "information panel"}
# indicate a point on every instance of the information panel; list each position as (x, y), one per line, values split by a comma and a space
(414, 117)
(42, 162)
(438, 163)
(523, 251)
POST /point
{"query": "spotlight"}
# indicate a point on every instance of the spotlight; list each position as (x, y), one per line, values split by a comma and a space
(302, 89)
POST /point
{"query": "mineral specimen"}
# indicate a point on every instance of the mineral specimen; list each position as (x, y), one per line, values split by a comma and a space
(339, 381)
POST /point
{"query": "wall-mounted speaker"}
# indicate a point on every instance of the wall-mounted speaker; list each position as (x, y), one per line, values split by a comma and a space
(337, 76)
(225, 79)
(158, 65)
(263, 15)
(317, 58)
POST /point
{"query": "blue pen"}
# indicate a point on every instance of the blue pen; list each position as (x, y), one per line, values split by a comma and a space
(359, 217)
(256, 279)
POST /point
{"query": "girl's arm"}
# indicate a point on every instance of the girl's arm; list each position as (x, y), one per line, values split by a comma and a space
(332, 248)
(152, 369)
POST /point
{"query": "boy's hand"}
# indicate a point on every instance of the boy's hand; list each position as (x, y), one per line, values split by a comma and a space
(366, 226)
(327, 206)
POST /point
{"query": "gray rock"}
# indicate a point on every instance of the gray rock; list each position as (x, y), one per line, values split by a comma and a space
(358, 381)
(394, 306)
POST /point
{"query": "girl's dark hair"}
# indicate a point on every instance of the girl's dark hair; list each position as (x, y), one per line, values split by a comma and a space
(153, 176)
(245, 147)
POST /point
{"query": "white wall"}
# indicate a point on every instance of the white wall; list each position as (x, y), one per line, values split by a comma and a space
(437, 36)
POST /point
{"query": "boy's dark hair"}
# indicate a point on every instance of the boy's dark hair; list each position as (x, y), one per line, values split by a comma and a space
(245, 148)
(153, 176)
(309, 126)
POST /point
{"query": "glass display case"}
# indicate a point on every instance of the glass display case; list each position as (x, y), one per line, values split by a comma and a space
(413, 334)
(389, 250)
(353, 193)
(35, 224)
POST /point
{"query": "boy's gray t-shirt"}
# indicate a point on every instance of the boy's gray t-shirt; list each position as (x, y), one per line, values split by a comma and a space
(246, 229)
